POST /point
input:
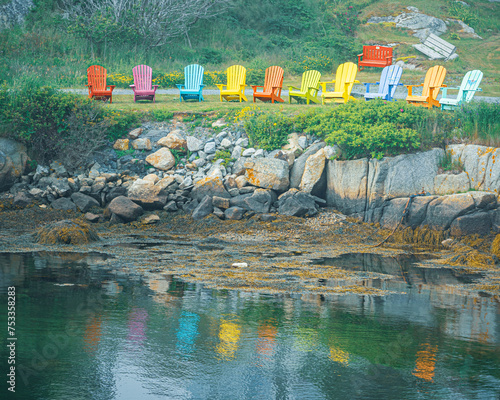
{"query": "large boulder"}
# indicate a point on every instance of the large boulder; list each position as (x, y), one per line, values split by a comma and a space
(422, 25)
(477, 223)
(313, 178)
(125, 208)
(162, 159)
(449, 183)
(209, 186)
(300, 163)
(297, 204)
(267, 173)
(443, 210)
(347, 185)
(204, 208)
(147, 194)
(63, 204)
(393, 211)
(174, 140)
(66, 232)
(259, 201)
(13, 160)
(84, 202)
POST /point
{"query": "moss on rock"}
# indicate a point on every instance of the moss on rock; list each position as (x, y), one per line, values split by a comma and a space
(66, 232)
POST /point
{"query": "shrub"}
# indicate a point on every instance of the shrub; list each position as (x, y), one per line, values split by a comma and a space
(268, 131)
(52, 123)
(224, 155)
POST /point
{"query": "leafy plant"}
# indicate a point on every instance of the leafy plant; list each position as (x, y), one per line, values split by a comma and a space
(448, 164)
(268, 131)
(224, 155)
(123, 153)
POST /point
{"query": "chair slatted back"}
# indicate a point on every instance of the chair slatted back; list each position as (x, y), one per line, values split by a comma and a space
(193, 76)
(143, 77)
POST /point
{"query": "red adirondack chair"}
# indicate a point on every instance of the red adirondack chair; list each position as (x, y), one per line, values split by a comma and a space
(273, 83)
(143, 87)
(98, 89)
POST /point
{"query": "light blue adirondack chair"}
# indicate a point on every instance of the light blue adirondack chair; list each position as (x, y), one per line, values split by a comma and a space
(389, 81)
(193, 83)
(466, 91)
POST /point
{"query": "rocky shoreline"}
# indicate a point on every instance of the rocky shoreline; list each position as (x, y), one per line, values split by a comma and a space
(171, 167)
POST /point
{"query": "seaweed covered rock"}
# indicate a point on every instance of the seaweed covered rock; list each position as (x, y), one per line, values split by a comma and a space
(66, 232)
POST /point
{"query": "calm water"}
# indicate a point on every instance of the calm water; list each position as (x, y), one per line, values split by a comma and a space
(88, 333)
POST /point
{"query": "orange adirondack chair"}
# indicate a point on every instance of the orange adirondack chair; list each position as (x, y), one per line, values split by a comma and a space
(273, 83)
(433, 82)
(98, 89)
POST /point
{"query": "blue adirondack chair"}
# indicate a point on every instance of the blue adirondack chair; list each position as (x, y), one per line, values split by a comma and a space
(193, 83)
(466, 91)
(389, 81)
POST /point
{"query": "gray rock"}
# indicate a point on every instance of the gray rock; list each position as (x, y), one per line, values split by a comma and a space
(210, 148)
(13, 160)
(239, 166)
(22, 199)
(484, 199)
(226, 143)
(125, 208)
(300, 163)
(235, 213)
(247, 190)
(442, 211)
(84, 202)
(200, 162)
(347, 185)
(239, 201)
(234, 192)
(59, 169)
(236, 153)
(243, 142)
(113, 193)
(422, 24)
(477, 223)
(302, 141)
(64, 204)
(313, 178)
(171, 206)
(147, 194)
(92, 217)
(59, 185)
(219, 213)
(191, 206)
(203, 209)
(220, 202)
(258, 153)
(211, 186)
(267, 173)
(248, 152)
(260, 201)
(194, 144)
(297, 204)
(449, 183)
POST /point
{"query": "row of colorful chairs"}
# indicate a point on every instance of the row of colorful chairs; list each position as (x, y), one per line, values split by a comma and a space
(340, 92)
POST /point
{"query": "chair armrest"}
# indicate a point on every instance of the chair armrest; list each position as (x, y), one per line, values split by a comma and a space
(410, 88)
(132, 86)
(179, 85)
(111, 87)
(472, 90)
(202, 86)
(323, 85)
(220, 85)
(156, 86)
(293, 87)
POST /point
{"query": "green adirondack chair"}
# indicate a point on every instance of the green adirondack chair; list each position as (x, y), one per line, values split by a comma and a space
(308, 89)
(466, 91)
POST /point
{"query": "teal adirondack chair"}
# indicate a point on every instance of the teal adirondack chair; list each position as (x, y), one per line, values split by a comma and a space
(466, 91)
(389, 81)
(193, 83)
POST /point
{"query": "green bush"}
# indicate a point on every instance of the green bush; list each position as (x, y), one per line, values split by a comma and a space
(268, 131)
(224, 155)
(370, 129)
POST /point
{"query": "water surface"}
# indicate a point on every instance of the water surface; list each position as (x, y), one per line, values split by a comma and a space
(86, 332)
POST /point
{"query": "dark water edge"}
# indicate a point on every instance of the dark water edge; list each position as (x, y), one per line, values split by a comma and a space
(88, 332)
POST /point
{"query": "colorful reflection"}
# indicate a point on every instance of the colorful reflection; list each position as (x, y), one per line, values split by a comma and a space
(306, 339)
(229, 335)
(137, 326)
(92, 334)
(339, 355)
(187, 332)
(426, 362)
(266, 341)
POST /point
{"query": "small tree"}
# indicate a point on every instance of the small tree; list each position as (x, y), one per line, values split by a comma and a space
(152, 23)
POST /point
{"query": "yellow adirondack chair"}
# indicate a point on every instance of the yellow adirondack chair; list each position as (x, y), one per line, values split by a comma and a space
(344, 81)
(235, 88)
(309, 88)
(433, 82)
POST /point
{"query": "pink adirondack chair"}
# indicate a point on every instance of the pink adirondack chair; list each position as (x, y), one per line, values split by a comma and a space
(142, 87)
